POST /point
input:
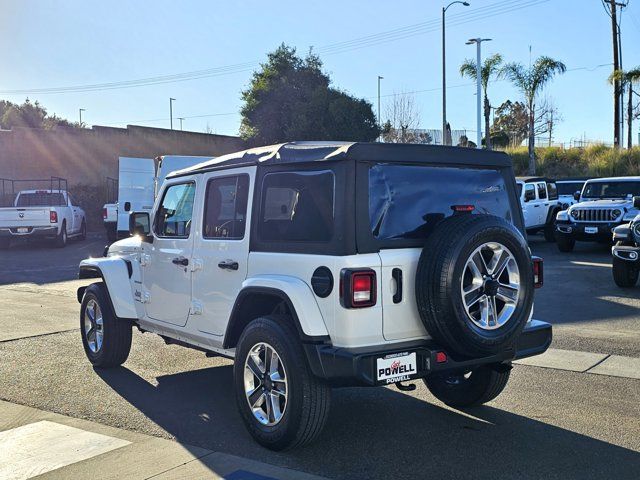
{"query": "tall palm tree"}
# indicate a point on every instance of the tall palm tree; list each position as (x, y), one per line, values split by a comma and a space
(628, 78)
(490, 68)
(531, 81)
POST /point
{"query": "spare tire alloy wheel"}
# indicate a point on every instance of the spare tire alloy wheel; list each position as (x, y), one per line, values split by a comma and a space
(490, 286)
(265, 384)
(93, 326)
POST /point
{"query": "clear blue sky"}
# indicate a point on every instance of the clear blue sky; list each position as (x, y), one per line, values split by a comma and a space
(78, 42)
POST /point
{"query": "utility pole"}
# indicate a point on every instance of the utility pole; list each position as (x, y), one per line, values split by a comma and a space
(80, 112)
(478, 41)
(171, 100)
(444, 74)
(379, 118)
(616, 67)
(181, 119)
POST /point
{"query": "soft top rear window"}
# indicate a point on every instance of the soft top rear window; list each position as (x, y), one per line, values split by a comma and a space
(408, 201)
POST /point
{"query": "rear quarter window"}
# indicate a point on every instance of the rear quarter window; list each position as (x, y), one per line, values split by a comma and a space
(407, 201)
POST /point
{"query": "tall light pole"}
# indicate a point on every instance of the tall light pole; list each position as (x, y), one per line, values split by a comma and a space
(478, 42)
(80, 111)
(444, 74)
(379, 118)
(171, 100)
(181, 119)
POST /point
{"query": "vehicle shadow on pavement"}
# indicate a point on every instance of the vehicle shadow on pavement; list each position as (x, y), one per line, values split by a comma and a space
(378, 433)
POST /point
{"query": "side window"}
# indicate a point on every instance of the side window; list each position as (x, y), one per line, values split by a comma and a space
(225, 208)
(529, 192)
(553, 191)
(173, 218)
(297, 207)
(542, 191)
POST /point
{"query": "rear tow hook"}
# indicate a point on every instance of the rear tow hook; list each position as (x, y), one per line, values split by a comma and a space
(405, 388)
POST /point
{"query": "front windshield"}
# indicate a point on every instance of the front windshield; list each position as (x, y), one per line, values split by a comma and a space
(569, 188)
(611, 189)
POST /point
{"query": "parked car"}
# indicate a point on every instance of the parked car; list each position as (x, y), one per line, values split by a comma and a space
(539, 201)
(569, 191)
(47, 214)
(604, 204)
(626, 251)
(274, 258)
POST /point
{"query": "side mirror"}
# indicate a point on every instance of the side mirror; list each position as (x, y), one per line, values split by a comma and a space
(576, 196)
(636, 203)
(139, 224)
(127, 206)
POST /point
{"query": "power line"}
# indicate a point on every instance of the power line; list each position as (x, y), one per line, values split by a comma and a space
(400, 33)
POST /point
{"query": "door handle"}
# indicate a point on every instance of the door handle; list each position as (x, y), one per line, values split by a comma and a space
(180, 261)
(396, 274)
(228, 265)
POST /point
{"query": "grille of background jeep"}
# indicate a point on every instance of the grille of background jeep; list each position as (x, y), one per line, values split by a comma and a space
(594, 215)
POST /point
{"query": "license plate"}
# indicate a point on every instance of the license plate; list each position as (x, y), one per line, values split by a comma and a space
(23, 230)
(590, 229)
(396, 367)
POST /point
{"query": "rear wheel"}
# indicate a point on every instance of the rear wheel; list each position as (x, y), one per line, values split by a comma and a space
(550, 231)
(625, 274)
(281, 403)
(565, 243)
(83, 231)
(466, 389)
(61, 238)
(106, 338)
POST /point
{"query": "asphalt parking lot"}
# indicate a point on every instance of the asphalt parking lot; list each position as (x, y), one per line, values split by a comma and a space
(549, 423)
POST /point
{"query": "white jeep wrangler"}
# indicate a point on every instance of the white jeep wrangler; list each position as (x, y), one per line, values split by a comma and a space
(317, 265)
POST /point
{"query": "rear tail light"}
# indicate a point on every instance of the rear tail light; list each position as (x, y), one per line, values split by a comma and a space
(441, 357)
(463, 208)
(538, 272)
(104, 213)
(53, 216)
(358, 288)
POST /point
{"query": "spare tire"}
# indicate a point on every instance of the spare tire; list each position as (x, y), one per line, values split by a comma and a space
(474, 284)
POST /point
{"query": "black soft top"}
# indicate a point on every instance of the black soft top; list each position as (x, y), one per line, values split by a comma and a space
(534, 179)
(308, 152)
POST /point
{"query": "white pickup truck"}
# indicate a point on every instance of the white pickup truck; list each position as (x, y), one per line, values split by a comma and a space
(43, 214)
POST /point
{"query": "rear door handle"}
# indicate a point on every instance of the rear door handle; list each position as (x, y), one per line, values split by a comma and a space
(396, 274)
(180, 261)
(228, 265)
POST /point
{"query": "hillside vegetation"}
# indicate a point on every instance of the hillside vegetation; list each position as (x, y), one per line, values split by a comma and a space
(593, 161)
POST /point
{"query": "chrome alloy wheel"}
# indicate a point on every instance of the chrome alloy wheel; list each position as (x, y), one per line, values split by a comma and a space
(265, 384)
(490, 286)
(93, 326)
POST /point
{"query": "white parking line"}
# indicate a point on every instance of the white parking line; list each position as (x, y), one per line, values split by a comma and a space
(41, 447)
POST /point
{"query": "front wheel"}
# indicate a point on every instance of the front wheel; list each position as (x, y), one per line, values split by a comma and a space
(282, 404)
(550, 231)
(625, 274)
(467, 389)
(106, 338)
(565, 243)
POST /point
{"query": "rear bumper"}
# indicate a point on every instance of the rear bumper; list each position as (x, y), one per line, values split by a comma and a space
(357, 366)
(12, 232)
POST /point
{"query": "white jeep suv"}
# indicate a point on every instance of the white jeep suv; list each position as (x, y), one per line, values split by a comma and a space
(318, 265)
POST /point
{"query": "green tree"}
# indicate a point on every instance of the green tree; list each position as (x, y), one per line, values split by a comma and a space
(511, 123)
(531, 81)
(291, 98)
(627, 79)
(490, 69)
(30, 115)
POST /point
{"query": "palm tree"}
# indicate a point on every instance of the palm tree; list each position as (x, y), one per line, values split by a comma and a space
(531, 81)
(490, 68)
(628, 78)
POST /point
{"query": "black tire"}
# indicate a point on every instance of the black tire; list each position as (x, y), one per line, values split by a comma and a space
(479, 386)
(308, 398)
(61, 238)
(5, 243)
(565, 243)
(112, 232)
(625, 274)
(83, 231)
(550, 230)
(440, 276)
(116, 333)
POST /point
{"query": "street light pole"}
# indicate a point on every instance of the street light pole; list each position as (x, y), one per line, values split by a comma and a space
(379, 118)
(80, 111)
(478, 42)
(181, 119)
(171, 100)
(444, 73)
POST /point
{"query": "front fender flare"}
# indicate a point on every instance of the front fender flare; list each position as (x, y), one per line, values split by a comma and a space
(116, 273)
(295, 292)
